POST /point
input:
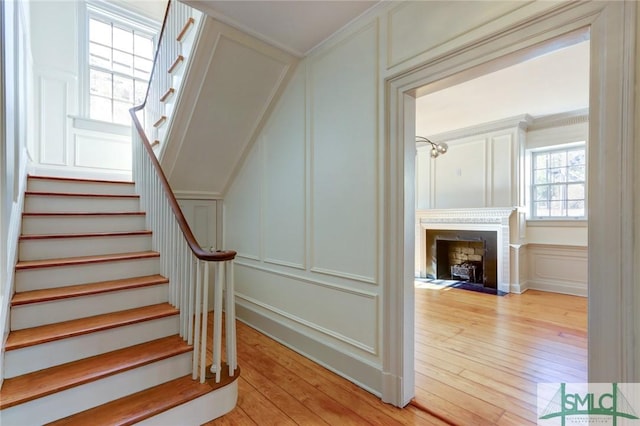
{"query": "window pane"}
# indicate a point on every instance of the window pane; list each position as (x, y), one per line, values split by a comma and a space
(123, 89)
(100, 83)
(576, 208)
(558, 175)
(575, 191)
(541, 209)
(540, 176)
(541, 161)
(121, 113)
(541, 193)
(558, 159)
(122, 39)
(143, 46)
(122, 62)
(140, 92)
(576, 174)
(557, 192)
(100, 108)
(99, 55)
(576, 157)
(142, 68)
(99, 32)
(556, 208)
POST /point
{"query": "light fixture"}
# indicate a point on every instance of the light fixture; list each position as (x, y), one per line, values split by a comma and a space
(436, 148)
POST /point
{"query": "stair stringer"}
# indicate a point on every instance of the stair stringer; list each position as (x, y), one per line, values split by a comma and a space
(200, 410)
(213, 90)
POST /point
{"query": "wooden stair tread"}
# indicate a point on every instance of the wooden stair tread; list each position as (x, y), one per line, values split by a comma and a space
(70, 179)
(147, 403)
(45, 295)
(84, 235)
(34, 385)
(81, 260)
(73, 214)
(47, 333)
(78, 195)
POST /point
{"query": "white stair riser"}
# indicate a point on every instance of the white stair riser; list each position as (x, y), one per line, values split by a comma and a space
(36, 314)
(198, 411)
(83, 397)
(60, 276)
(86, 246)
(62, 204)
(79, 187)
(37, 225)
(45, 355)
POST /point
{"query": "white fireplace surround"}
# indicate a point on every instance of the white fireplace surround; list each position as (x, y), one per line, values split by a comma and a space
(472, 219)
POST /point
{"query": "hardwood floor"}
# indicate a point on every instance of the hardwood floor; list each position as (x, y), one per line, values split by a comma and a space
(478, 359)
(277, 386)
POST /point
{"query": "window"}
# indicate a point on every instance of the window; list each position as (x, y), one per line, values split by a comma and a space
(120, 58)
(558, 183)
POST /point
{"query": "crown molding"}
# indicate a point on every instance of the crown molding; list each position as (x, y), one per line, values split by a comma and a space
(519, 121)
(562, 119)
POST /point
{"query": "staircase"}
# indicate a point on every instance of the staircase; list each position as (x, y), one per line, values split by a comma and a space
(93, 339)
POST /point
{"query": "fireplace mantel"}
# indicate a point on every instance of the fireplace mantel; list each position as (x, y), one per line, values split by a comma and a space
(478, 219)
(478, 215)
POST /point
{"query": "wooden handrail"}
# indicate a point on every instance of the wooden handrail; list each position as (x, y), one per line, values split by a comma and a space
(199, 252)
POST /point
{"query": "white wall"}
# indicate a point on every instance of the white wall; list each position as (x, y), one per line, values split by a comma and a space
(304, 213)
(480, 169)
(15, 137)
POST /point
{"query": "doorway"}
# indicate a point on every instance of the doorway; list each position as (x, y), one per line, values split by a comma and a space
(528, 114)
(611, 134)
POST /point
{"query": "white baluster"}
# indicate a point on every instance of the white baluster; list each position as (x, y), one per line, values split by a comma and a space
(198, 316)
(217, 320)
(203, 336)
(230, 316)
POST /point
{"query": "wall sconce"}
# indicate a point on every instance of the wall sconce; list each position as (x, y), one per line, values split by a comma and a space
(436, 148)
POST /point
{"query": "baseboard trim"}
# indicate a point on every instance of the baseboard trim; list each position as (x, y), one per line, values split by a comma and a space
(363, 374)
(558, 287)
(520, 288)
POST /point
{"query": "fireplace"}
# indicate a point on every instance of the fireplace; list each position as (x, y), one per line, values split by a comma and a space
(462, 255)
(473, 245)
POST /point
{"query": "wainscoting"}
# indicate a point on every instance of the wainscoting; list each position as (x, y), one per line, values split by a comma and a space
(557, 268)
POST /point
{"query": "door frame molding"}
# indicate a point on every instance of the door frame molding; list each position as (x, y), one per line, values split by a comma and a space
(612, 27)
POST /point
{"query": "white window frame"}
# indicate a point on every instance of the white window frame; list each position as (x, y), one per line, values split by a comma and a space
(529, 173)
(123, 17)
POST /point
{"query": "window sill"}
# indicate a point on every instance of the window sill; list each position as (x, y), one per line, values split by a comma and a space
(85, 123)
(565, 223)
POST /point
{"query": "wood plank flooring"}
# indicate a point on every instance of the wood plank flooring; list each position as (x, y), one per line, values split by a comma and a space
(479, 357)
(478, 360)
(277, 386)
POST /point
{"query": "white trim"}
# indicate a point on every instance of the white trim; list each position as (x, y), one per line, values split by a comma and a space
(359, 371)
(480, 219)
(247, 301)
(519, 121)
(611, 348)
(196, 195)
(115, 13)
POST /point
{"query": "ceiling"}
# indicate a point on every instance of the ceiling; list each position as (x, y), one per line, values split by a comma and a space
(551, 83)
(294, 26)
